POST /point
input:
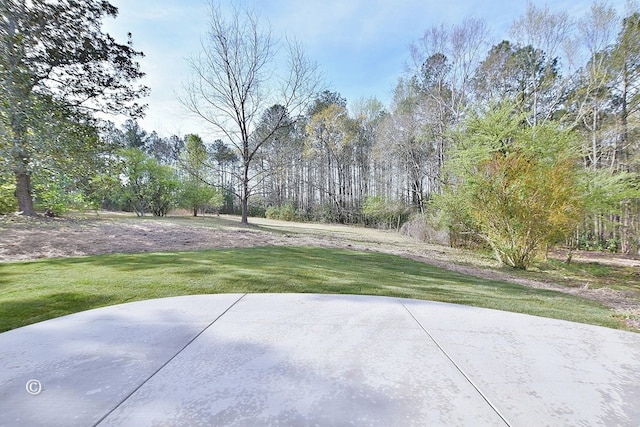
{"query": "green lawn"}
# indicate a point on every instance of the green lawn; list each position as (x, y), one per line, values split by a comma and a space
(38, 290)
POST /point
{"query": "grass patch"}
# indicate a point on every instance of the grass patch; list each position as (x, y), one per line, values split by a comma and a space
(593, 274)
(39, 290)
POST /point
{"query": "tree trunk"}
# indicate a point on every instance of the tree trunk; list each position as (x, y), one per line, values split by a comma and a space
(245, 194)
(23, 194)
(625, 226)
(245, 209)
(21, 159)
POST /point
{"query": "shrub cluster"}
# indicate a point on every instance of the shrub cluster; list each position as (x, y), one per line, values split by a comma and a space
(286, 212)
(8, 203)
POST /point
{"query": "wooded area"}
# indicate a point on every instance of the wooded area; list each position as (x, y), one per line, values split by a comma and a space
(518, 144)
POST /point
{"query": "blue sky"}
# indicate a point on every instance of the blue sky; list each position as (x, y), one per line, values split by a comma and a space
(361, 45)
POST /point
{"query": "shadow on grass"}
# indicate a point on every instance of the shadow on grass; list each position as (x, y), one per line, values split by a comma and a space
(287, 270)
(22, 312)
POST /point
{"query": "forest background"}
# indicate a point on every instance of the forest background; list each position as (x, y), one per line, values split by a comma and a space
(515, 145)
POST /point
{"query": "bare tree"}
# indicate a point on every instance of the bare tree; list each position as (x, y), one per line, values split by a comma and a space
(443, 64)
(541, 35)
(459, 48)
(543, 29)
(236, 78)
(592, 97)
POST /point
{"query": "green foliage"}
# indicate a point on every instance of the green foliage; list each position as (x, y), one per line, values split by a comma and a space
(195, 196)
(228, 199)
(518, 186)
(327, 212)
(148, 185)
(46, 91)
(256, 210)
(54, 197)
(605, 192)
(161, 187)
(452, 212)
(194, 158)
(105, 191)
(8, 202)
(383, 213)
(135, 178)
(58, 192)
(286, 212)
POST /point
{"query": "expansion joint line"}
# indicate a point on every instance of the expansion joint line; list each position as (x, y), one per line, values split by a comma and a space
(154, 373)
(458, 367)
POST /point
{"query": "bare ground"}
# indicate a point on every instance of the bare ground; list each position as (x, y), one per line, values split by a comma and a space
(24, 239)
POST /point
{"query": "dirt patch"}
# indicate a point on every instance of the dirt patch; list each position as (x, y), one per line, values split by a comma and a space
(64, 238)
(24, 239)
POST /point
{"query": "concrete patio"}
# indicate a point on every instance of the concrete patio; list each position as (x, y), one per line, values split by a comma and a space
(305, 359)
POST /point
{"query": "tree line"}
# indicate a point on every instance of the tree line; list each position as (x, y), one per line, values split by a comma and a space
(517, 144)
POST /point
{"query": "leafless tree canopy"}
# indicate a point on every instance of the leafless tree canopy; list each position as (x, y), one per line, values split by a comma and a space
(238, 75)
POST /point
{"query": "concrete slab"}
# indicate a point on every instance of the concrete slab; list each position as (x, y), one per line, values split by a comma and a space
(87, 363)
(538, 371)
(291, 359)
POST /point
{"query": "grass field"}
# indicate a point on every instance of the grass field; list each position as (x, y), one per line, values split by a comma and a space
(38, 290)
